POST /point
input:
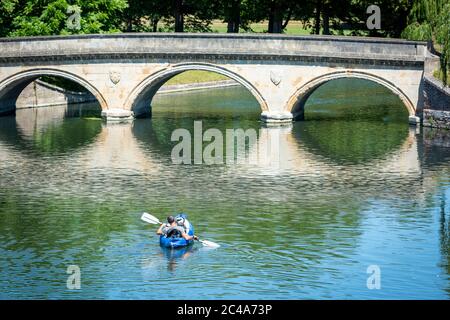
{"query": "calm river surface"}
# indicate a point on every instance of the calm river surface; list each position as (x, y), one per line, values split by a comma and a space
(359, 189)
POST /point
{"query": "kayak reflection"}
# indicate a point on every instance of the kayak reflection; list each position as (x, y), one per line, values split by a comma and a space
(177, 255)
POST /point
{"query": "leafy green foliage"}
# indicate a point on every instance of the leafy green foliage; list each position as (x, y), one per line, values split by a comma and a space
(443, 38)
(418, 31)
(50, 17)
(430, 20)
(411, 19)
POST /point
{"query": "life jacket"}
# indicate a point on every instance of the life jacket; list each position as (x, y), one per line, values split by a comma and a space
(174, 232)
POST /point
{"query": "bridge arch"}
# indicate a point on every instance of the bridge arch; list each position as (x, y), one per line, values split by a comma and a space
(140, 98)
(12, 86)
(297, 101)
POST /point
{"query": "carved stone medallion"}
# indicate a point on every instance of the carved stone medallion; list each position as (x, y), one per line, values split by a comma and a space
(114, 76)
(275, 77)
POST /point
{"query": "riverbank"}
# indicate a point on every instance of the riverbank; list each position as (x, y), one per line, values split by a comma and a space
(196, 80)
(196, 86)
(195, 76)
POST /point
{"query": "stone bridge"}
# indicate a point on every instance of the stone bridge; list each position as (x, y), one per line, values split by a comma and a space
(124, 71)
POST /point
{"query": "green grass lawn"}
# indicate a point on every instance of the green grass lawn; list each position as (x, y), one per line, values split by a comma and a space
(294, 27)
(196, 76)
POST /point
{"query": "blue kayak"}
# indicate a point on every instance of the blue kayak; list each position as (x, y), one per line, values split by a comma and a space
(175, 240)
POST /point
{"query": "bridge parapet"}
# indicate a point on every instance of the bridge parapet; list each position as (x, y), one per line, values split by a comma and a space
(214, 46)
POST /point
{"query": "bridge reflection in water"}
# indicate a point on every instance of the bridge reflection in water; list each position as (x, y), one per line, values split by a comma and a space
(298, 150)
(77, 185)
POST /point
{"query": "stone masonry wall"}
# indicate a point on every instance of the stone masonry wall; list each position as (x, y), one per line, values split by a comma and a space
(42, 94)
(436, 109)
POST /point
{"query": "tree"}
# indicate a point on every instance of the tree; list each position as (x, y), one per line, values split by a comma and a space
(232, 14)
(277, 12)
(192, 15)
(144, 15)
(394, 16)
(317, 14)
(280, 13)
(51, 17)
(429, 21)
(251, 11)
(8, 9)
(178, 13)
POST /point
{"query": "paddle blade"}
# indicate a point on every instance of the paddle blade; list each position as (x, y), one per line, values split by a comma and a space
(209, 244)
(147, 217)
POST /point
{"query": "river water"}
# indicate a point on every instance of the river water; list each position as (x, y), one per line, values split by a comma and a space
(353, 189)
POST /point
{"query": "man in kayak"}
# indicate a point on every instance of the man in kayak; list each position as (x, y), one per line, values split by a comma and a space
(172, 229)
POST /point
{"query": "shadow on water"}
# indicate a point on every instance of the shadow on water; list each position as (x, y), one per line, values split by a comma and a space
(155, 134)
(219, 108)
(444, 235)
(350, 121)
(50, 130)
(351, 142)
(435, 146)
(234, 102)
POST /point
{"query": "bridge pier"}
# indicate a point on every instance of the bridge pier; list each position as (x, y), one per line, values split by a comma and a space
(117, 115)
(414, 120)
(280, 117)
(142, 109)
